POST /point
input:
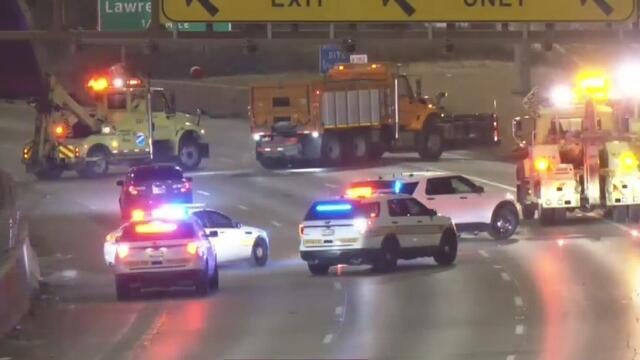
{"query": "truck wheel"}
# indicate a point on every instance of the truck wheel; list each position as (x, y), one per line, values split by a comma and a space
(51, 172)
(619, 214)
(318, 269)
(447, 249)
(529, 211)
(634, 214)
(331, 149)
(99, 166)
(189, 154)
(430, 143)
(547, 216)
(560, 216)
(357, 148)
(504, 223)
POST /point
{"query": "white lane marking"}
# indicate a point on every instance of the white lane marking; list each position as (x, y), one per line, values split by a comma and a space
(338, 310)
(331, 186)
(511, 357)
(505, 276)
(203, 193)
(519, 329)
(220, 172)
(327, 339)
(337, 285)
(276, 224)
(243, 207)
(483, 253)
(497, 267)
(222, 158)
(518, 301)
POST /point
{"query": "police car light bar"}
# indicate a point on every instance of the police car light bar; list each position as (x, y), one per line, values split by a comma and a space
(156, 227)
(334, 207)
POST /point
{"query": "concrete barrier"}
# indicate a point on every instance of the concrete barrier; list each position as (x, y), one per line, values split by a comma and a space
(19, 268)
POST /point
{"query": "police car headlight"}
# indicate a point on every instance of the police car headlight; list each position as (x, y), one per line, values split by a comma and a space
(106, 129)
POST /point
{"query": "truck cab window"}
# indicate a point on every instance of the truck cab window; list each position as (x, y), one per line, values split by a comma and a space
(404, 88)
(159, 102)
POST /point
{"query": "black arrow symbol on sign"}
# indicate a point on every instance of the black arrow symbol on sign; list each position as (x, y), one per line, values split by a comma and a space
(403, 4)
(603, 5)
(207, 5)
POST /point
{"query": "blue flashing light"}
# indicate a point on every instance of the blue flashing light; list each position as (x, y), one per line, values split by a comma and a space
(334, 207)
(170, 212)
(397, 186)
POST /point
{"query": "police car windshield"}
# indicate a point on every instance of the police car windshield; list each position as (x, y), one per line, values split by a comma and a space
(156, 174)
(342, 210)
(147, 231)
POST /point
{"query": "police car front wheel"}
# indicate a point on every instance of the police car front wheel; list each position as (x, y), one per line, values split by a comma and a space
(447, 249)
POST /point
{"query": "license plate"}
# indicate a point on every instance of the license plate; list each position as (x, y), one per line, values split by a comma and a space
(158, 190)
(328, 232)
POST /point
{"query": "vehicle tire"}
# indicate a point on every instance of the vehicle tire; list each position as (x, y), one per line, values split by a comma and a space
(270, 163)
(546, 216)
(504, 222)
(214, 280)
(619, 214)
(318, 269)
(430, 143)
(201, 282)
(634, 214)
(357, 148)
(332, 150)
(99, 167)
(189, 156)
(260, 252)
(529, 211)
(53, 172)
(388, 259)
(447, 249)
(123, 290)
(560, 216)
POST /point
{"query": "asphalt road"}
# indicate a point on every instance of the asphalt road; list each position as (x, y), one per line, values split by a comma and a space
(565, 292)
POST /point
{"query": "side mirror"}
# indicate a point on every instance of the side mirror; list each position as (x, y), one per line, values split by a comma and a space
(479, 190)
(172, 103)
(432, 212)
(212, 233)
(120, 183)
(442, 95)
(517, 129)
(237, 225)
(419, 88)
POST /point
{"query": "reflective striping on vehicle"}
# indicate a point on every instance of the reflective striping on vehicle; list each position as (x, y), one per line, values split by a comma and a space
(27, 151)
(67, 152)
(407, 230)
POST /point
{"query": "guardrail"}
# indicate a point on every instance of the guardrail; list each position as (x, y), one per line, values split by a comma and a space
(19, 268)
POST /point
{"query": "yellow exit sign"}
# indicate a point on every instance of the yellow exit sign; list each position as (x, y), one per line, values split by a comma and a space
(397, 10)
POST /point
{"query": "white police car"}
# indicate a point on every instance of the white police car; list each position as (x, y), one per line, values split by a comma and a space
(159, 251)
(232, 240)
(375, 229)
(470, 206)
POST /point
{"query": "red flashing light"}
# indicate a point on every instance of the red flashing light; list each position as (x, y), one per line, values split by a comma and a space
(98, 84)
(301, 230)
(156, 227)
(359, 192)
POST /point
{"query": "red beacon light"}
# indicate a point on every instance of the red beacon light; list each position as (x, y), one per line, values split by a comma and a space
(359, 192)
(98, 84)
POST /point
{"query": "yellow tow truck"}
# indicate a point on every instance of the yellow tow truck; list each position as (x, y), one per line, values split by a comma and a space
(581, 155)
(131, 123)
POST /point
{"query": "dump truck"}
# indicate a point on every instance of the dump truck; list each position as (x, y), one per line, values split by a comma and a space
(357, 113)
(581, 156)
(127, 122)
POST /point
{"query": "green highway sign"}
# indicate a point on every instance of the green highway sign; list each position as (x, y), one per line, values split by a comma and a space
(135, 15)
